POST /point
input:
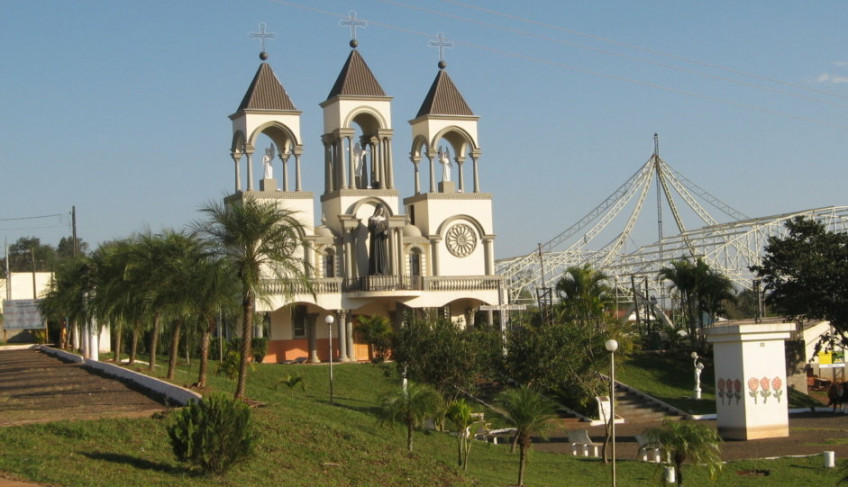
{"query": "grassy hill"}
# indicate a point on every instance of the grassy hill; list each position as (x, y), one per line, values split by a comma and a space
(306, 441)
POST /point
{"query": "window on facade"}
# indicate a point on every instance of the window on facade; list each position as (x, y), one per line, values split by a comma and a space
(415, 262)
(330, 264)
(299, 322)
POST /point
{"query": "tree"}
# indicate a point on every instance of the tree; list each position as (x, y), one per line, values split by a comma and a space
(444, 356)
(411, 406)
(806, 275)
(530, 414)
(216, 295)
(584, 296)
(687, 440)
(702, 292)
(257, 241)
(462, 416)
(74, 279)
(376, 331)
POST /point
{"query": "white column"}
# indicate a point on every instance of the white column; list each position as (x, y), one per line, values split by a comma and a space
(249, 171)
(459, 162)
(431, 155)
(415, 162)
(285, 159)
(297, 184)
(236, 159)
(342, 323)
(390, 177)
(476, 177)
(351, 350)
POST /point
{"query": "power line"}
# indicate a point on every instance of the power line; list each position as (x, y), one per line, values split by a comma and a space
(595, 72)
(31, 217)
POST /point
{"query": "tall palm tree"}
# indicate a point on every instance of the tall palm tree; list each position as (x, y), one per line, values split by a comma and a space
(584, 295)
(72, 280)
(530, 414)
(411, 406)
(687, 440)
(258, 241)
(216, 294)
(702, 292)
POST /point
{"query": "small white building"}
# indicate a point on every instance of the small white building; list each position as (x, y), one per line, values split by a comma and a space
(22, 287)
(370, 252)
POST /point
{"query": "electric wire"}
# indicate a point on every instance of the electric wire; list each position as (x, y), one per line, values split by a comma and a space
(567, 66)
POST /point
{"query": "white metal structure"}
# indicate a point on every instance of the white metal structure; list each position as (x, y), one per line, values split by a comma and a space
(730, 247)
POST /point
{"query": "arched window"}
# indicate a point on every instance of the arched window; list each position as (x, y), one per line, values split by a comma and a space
(415, 263)
(330, 263)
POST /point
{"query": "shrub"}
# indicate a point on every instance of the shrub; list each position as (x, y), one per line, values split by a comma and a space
(213, 434)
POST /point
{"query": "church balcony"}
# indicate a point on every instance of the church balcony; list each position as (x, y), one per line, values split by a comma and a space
(390, 285)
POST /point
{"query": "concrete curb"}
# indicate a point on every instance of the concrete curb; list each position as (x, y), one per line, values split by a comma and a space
(173, 394)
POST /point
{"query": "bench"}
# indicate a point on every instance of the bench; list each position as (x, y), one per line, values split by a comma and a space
(604, 411)
(579, 439)
(647, 452)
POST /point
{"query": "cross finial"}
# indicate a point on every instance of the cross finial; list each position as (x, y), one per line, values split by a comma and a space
(352, 22)
(262, 35)
(441, 43)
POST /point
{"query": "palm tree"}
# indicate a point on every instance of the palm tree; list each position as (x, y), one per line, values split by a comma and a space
(411, 406)
(687, 440)
(462, 416)
(376, 331)
(216, 294)
(257, 241)
(584, 295)
(530, 414)
(702, 291)
(72, 280)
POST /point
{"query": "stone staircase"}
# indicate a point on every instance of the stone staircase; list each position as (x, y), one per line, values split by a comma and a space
(635, 407)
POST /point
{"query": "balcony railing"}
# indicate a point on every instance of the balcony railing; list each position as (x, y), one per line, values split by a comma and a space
(335, 285)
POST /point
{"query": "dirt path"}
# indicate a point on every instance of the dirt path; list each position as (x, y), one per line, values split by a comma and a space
(35, 388)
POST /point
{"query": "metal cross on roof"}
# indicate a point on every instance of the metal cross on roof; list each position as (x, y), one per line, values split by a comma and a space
(262, 35)
(353, 23)
(441, 43)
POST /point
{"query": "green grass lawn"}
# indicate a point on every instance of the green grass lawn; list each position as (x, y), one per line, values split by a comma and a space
(306, 441)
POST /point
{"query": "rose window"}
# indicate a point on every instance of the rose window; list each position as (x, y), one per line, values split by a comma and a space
(461, 240)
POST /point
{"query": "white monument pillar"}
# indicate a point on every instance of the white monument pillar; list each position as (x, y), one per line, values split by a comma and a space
(750, 371)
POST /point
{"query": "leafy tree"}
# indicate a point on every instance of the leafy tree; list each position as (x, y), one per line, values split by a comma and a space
(65, 249)
(411, 406)
(216, 295)
(687, 440)
(530, 414)
(806, 275)
(444, 356)
(257, 241)
(22, 252)
(376, 331)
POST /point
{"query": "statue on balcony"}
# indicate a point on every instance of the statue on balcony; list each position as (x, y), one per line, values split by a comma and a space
(378, 252)
(267, 160)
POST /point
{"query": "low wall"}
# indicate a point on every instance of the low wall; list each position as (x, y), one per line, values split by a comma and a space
(173, 394)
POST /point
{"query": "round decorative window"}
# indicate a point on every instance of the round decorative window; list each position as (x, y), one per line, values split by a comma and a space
(461, 240)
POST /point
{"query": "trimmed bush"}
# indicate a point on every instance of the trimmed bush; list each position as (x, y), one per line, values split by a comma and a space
(213, 434)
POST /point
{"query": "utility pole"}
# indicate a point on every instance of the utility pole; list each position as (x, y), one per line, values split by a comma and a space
(74, 228)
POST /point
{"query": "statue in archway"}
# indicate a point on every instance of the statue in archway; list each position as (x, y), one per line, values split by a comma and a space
(378, 251)
(267, 159)
(444, 159)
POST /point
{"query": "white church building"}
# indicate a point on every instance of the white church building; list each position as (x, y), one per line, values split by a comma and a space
(369, 252)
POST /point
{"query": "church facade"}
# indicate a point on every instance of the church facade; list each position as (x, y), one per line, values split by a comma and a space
(370, 252)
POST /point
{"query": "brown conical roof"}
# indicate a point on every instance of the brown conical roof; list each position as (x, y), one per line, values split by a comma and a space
(444, 98)
(356, 79)
(266, 92)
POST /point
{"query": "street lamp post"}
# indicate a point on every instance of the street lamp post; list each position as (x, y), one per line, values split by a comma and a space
(329, 320)
(612, 345)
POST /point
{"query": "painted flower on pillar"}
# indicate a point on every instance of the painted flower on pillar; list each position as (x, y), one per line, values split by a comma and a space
(776, 385)
(753, 385)
(737, 390)
(720, 388)
(765, 385)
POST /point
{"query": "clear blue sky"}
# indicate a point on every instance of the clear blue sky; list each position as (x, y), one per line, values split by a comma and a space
(120, 107)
